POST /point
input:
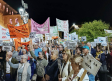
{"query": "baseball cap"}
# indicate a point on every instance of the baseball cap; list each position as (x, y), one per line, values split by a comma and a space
(86, 47)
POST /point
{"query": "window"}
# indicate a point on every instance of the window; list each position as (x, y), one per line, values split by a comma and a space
(10, 21)
(0, 5)
(3, 7)
(12, 13)
(16, 20)
(6, 9)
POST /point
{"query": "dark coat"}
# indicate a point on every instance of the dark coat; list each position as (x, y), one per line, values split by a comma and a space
(93, 52)
(102, 59)
(13, 71)
(52, 70)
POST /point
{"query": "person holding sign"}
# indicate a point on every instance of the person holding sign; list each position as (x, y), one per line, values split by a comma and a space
(66, 65)
(78, 72)
(86, 51)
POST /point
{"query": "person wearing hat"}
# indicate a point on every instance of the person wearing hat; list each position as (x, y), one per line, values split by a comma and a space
(86, 51)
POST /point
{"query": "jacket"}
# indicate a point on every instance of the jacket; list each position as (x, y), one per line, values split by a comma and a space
(12, 70)
(66, 70)
(93, 52)
(102, 58)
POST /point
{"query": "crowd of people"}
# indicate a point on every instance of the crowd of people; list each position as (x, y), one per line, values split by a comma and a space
(54, 62)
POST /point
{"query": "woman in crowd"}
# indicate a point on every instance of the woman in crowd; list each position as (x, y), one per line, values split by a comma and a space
(78, 51)
(66, 66)
(44, 50)
(103, 70)
(41, 63)
(52, 69)
(99, 51)
(24, 69)
(76, 63)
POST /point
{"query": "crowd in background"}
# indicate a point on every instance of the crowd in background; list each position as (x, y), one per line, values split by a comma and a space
(54, 62)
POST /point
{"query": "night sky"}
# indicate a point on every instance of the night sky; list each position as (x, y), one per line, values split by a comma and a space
(76, 11)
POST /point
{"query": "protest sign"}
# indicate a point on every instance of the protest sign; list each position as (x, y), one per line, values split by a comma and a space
(66, 35)
(47, 36)
(70, 36)
(83, 38)
(93, 44)
(101, 40)
(95, 40)
(62, 25)
(104, 44)
(75, 37)
(36, 40)
(72, 45)
(7, 48)
(40, 29)
(32, 35)
(91, 64)
(53, 31)
(18, 31)
(8, 44)
(4, 33)
(42, 45)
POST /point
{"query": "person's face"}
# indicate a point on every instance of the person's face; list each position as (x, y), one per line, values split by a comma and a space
(24, 52)
(85, 51)
(28, 47)
(46, 45)
(64, 56)
(78, 51)
(43, 50)
(88, 44)
(12, 48)
(40, 55)
(60, 48)
(19, 49)
(9, 55)
(98, 49)
(36, 46)
(23, 46)
(53, 56)
(23, 60)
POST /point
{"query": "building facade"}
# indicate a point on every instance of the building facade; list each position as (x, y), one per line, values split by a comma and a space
(10, 16)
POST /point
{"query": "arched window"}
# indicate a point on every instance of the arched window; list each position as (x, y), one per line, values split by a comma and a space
(6, 9)
(0, 5)
(16, 20)
(12, 13)
(10, 21)
(3, 7)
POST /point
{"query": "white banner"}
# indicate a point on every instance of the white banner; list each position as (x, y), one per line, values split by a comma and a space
(102, 39)
(4, 33)
(91, 64)
(53, 31)
(62, 25)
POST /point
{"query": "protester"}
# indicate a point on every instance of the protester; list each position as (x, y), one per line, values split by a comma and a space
(41, 63)
(24, 69)
(19, 51)
(52, 69)
(76, 63)
(10, 73)
(15, 53)
(85, 52)
(79, 51)
(61, 48)
(37, 49)
(44, 50)
(92, 51)
(66, 66)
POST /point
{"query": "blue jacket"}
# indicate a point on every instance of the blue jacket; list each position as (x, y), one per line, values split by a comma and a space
(37, 51)
(52, 70)
(93, 52)
(102, 58)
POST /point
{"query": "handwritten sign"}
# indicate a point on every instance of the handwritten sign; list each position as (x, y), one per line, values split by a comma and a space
(83, 38)
(72, 45)
(8, 44)
(36, 40)
(91, 64)
(7, 48)
(32, 35)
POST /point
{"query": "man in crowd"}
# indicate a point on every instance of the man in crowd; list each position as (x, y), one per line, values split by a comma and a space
(10, 73)
(60, 51)
(92, 51)
(85, 52)
(37, 49)
(15, 53)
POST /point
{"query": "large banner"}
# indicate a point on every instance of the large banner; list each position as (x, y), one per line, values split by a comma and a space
(62, 25)
(18, 31)
(40, 28)
(53, 31)
(4, 34)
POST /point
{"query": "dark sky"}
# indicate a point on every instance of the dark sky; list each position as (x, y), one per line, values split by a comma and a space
(76, 11)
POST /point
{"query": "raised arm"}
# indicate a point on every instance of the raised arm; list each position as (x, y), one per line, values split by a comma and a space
(13, 65)
(32, 54)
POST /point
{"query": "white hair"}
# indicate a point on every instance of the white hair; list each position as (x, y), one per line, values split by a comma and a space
(9, 53)
(25, 56)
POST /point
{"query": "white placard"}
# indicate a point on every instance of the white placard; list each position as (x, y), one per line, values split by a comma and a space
(7, 48)
(102, 39)
(95, 40)
(104, 44)
(93, 44)
(70, 36)
(36, 40)
(4, 33)
(32, 35)
(75, 37)
(91, 64)
(8, 44)
(83, 38)
(47, 36)
(72, 45)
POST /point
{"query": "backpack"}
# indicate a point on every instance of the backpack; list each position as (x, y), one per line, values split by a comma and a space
(40, 69)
